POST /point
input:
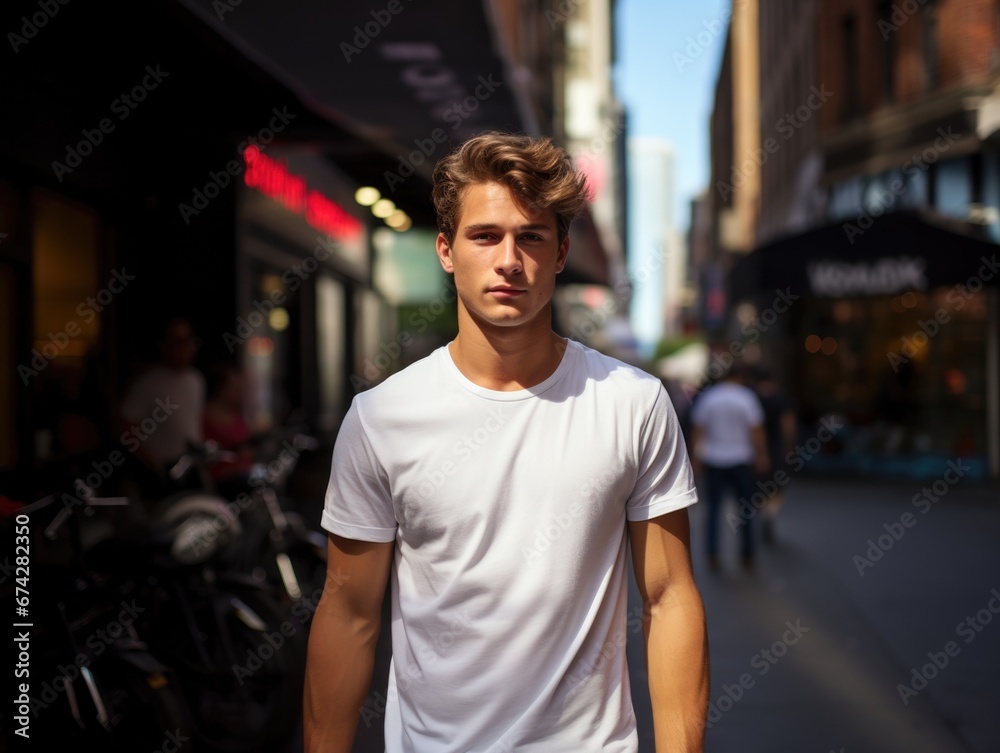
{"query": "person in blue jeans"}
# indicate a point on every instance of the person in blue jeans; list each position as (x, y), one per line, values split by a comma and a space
(730, 449)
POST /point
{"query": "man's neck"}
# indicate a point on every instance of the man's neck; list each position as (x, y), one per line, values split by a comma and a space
(507, 358)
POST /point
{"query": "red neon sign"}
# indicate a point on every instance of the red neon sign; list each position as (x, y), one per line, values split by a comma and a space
(272, 179)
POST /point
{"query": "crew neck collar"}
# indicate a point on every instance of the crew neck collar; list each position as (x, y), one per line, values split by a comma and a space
(572, 349)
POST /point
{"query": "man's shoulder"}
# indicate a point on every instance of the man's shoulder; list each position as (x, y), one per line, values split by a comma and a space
(617, 378)
(597, 362)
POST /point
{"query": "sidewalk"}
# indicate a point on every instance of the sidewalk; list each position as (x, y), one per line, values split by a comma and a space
(808, 654)
(822, 649)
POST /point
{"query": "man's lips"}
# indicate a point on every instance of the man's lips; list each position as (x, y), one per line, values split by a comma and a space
(504, 291)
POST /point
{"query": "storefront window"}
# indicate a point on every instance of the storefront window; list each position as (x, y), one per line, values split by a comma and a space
(906, 374)
(273, 350)
(69, 304)
(330, 346)
(8, 424)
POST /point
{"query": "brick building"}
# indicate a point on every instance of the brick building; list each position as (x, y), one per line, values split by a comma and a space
(881, 211)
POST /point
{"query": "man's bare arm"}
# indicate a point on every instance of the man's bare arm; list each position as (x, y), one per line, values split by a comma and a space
(675, 631)
(342, 641)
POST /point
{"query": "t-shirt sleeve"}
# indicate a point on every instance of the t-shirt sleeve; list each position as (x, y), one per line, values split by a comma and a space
(664, 480)
(358, 501)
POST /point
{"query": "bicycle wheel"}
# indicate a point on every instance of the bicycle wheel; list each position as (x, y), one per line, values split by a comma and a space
(247, 697)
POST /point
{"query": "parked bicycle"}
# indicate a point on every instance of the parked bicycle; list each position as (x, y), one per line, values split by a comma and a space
(94, 678)
(277, 544)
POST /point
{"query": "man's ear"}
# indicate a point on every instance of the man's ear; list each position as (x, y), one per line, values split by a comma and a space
(562, 254)
(443, 248)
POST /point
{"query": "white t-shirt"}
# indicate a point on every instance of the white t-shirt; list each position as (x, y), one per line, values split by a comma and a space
(509, 512)
(165, 407)
(726, 413)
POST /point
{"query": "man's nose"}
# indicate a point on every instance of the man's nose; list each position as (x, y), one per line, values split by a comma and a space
(509, 258)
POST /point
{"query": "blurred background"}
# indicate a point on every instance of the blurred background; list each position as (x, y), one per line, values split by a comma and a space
(806, 187)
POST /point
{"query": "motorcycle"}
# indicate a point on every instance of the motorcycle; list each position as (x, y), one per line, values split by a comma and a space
(226, 634)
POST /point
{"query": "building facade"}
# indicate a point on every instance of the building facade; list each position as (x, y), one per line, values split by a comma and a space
(210, 167)
(879, 221)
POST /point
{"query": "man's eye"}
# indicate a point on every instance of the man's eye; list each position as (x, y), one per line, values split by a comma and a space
(532, 237)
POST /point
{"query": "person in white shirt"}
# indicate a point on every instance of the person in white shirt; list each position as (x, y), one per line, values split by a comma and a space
(501, 483)
(730, 446)
(162, 409)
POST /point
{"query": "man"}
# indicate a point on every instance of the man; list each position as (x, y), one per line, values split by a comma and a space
(730, 446)
(162, 410)
(501, 481)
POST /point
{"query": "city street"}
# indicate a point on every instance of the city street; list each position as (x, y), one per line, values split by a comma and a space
(809, 655)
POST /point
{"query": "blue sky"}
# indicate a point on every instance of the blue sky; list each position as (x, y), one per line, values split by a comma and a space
(668, 59)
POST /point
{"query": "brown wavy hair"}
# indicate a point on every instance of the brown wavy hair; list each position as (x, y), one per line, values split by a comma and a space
(539, 174)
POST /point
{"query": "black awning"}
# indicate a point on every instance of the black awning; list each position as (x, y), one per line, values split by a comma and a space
(894, 253)
(394, 72)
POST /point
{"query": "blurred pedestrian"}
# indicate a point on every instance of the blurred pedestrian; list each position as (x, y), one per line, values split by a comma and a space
(501, 482)
(730, 450)
(224, 421)
(780, 430)
(161, 411)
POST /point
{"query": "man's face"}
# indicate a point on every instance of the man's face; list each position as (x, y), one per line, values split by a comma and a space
(504, 257)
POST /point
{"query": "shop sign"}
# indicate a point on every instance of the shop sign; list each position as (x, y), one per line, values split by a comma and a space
(877, 277)
(274, 180)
